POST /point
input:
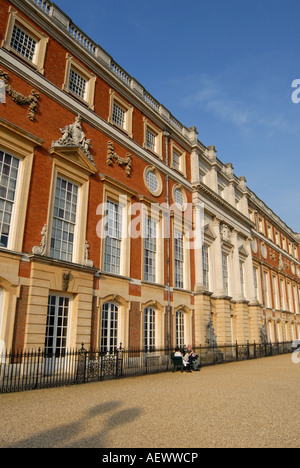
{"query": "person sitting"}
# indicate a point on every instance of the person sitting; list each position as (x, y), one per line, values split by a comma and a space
(191, 359)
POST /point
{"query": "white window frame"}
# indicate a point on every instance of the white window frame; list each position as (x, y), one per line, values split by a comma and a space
(150, 332)
(2, 303)
(75, 234)
(68, 327)
(157, 149)
(182, 158)
(225, 273)
(283, 294)
(20, 145)
(180, 328)
(12, 202)
(73, 65)
(179, 260)
(120, 214)
(159, 189)
(78, 174)
(275, 292)
(205, 266)
(111, 348)
(267, 288)
(128, 109)
(152, 246)
(15, 19)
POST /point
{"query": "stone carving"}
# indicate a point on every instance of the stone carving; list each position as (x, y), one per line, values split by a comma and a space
(18, 98)
(66, 279)
(281, 263)
(112, 156)
(41, 249)
(211, 338)
(225, 233)
(87, 261)
(73, 135)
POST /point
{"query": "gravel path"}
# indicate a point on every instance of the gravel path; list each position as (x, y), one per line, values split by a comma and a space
(245, 404)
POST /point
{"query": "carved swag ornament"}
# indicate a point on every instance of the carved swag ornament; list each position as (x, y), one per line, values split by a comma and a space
(18, 98)
(112, 156)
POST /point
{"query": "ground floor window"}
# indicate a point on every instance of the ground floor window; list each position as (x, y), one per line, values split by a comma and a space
(110, 328)
(2, 343)
(56, 341)
(149, 329)
(180, 329)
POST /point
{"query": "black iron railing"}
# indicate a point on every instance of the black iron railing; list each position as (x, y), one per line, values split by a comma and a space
(39, 369)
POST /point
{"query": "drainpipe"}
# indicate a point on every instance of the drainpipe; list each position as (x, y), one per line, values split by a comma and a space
(167, 135)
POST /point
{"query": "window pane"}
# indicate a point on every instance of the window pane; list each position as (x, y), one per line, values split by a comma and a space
(113, 239)
(205, 266)
(109, 332)
(77, 84)
(225, 273)
(150, 250)
(149, 329)
(119, 115)
(179, 258)
(152, 181)
(150, 140)
(64, 218)
(57, 325)
(23, 43)
(180, 329)
(9, 168)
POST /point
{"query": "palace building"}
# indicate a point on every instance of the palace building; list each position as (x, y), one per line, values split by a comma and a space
(117, 224)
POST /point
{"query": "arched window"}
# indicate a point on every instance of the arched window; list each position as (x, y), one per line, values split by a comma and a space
(180, 329)
(149, 329)
(110, 328)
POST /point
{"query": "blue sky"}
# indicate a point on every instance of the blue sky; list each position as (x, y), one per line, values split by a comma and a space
(225, 67)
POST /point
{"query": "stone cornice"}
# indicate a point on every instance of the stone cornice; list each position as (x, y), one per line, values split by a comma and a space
(200, 187)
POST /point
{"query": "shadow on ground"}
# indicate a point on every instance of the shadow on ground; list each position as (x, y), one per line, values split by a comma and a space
(74, 435)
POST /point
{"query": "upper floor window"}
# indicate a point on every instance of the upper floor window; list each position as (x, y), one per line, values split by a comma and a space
(9, 168)
(178, 156)
(176, 161)
(64, 220)
(153, 181)
(179, 259)
(179, 197)
(23, 43)
(120, 113)
(225, 273)
(150, 250)
(205, 266)
(150, 140)
(119, 116)
(79, 82)
(113, 238)
(26, 40)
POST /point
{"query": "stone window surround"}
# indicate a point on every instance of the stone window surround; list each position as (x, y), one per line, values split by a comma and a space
(42, 40)
(115, 98)
(72, 64)
(21, 145)
(158, 138)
